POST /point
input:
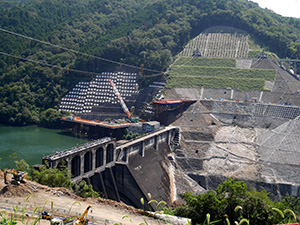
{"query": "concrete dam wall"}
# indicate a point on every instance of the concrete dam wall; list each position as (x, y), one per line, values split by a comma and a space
(127, 172)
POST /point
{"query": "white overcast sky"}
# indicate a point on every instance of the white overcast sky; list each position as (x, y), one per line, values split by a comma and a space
(290, 8)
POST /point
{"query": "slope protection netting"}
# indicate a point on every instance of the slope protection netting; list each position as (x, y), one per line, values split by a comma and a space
(225, 45)
(281, 145)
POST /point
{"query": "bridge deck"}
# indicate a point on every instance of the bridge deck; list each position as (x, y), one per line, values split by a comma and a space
(147, 136)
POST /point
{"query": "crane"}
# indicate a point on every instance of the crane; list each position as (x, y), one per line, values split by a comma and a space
(122, 103)
(83, 219)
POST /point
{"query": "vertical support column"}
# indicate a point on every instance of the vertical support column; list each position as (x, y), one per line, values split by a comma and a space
(81, 164)
(68, 161)
(168, 137)
(295, 67)
(280, 62)
(104, 154)
(156, 140)
(115, 152)
(287, 66)
(142, 148)
(94, 159)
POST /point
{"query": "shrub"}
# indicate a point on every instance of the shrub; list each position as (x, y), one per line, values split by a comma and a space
(255, 206)
(53, 177)
(85, 191)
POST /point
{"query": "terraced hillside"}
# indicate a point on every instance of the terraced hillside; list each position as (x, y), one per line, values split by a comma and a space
(217, 73)
(218, 58)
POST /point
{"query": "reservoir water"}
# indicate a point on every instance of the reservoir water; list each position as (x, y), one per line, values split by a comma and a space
(32, 143)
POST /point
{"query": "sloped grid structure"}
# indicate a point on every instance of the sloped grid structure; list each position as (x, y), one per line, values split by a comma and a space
(85, 95)
(225, 45)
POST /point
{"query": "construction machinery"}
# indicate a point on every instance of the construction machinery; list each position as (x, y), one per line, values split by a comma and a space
(59, 221)
(79, 221)
(83, 219)
(46, 215)
(122, 103)
(18, 176)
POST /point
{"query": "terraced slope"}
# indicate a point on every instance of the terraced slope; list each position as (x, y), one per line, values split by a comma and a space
(217, 73)
(206, 62)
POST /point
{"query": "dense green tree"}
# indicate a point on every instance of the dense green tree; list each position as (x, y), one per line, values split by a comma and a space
(53, 177)
(254, 206)
(85, 191)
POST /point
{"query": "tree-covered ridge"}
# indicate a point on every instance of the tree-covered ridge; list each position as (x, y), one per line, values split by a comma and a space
(131, 31)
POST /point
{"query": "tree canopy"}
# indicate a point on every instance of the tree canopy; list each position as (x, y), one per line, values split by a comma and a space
(234, 201)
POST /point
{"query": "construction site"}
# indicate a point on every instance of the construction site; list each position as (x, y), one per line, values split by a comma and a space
(195, 130)
(249, 135)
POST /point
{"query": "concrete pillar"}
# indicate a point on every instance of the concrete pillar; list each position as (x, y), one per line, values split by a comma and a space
(280, 62)
(156, 140)
(68, 161)
(168, 137)
(287, 66)
(142, 148)
(104, 154)
(93, 159)
(115, 152)
(81, 164)
(123, 154)
(295, 67)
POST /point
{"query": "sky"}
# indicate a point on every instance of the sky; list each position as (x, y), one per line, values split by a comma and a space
(290, 8)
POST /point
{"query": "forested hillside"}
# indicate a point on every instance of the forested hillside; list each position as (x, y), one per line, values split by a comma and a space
(137, 32)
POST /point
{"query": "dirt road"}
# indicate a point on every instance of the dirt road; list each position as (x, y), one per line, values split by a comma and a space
(67, 204)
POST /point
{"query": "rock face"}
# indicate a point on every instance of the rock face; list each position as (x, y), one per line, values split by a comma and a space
(266, 159)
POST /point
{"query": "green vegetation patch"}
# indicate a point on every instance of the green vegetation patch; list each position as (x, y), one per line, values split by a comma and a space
(253, 54)
(216, 82)
(223, 72)
(206, 62)
(235, 200)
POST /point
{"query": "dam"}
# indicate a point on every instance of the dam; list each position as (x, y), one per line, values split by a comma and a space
(125, 172)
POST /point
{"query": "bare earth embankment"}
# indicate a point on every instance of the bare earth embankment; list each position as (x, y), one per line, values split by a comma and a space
(67, 204)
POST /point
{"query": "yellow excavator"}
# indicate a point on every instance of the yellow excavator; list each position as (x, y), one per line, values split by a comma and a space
(18, 176)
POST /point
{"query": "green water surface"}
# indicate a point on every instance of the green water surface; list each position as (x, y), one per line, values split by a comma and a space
(32, 143)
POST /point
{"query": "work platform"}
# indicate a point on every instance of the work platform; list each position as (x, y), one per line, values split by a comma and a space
(95, 128)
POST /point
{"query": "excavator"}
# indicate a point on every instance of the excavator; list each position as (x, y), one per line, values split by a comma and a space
(79, 221)
(18, 176)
